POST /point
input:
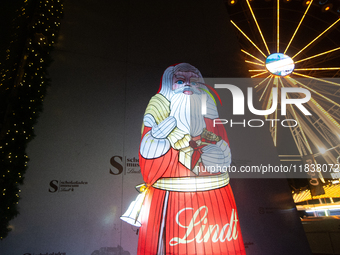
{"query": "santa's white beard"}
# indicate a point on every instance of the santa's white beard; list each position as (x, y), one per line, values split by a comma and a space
(187, 109)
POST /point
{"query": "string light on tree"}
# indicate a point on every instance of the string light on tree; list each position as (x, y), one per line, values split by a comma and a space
(24, 92)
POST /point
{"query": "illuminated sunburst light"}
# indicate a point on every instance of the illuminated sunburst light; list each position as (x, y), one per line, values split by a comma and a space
(322, 129)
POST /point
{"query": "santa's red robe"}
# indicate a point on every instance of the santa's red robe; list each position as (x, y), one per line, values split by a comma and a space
(200, 222)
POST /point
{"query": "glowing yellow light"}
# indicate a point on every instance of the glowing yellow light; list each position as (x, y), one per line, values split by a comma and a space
(318, 79)
(254, 63)
(271, 76)
(316, 38)
(275, 129)
(269, 103)
(308, 2)
(232, 22)
(252, 56)
(258, 27)
(297, 28)
(301, 130)
(325, 113)
(319, 94)
(258, 70)
(327, 8)
(258, 74)
(317, 55)
(317, 68)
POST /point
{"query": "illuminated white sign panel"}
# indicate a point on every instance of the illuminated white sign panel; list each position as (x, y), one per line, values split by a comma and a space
(280, 64)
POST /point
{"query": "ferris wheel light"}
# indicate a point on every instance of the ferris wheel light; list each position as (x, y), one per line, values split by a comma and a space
(326, 7)
(278, 70)
(232, 2)
(322, 150)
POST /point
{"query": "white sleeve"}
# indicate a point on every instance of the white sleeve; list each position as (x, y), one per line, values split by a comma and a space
(223, 145)
(163, 129)
(216, 156)
(152, 147)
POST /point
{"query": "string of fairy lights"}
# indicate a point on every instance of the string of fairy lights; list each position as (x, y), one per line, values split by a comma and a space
(23, 82)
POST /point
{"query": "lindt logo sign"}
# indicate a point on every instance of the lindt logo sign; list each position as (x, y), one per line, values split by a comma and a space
(239, 105)
(199, 222)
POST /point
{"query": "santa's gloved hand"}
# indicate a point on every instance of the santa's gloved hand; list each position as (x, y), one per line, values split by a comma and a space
(223, 145)
(152, 147)
(217, 156)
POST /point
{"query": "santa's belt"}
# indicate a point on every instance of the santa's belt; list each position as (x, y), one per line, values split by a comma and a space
(192, 184)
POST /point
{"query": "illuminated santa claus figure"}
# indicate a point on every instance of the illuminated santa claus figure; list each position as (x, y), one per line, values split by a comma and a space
(186, 205)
